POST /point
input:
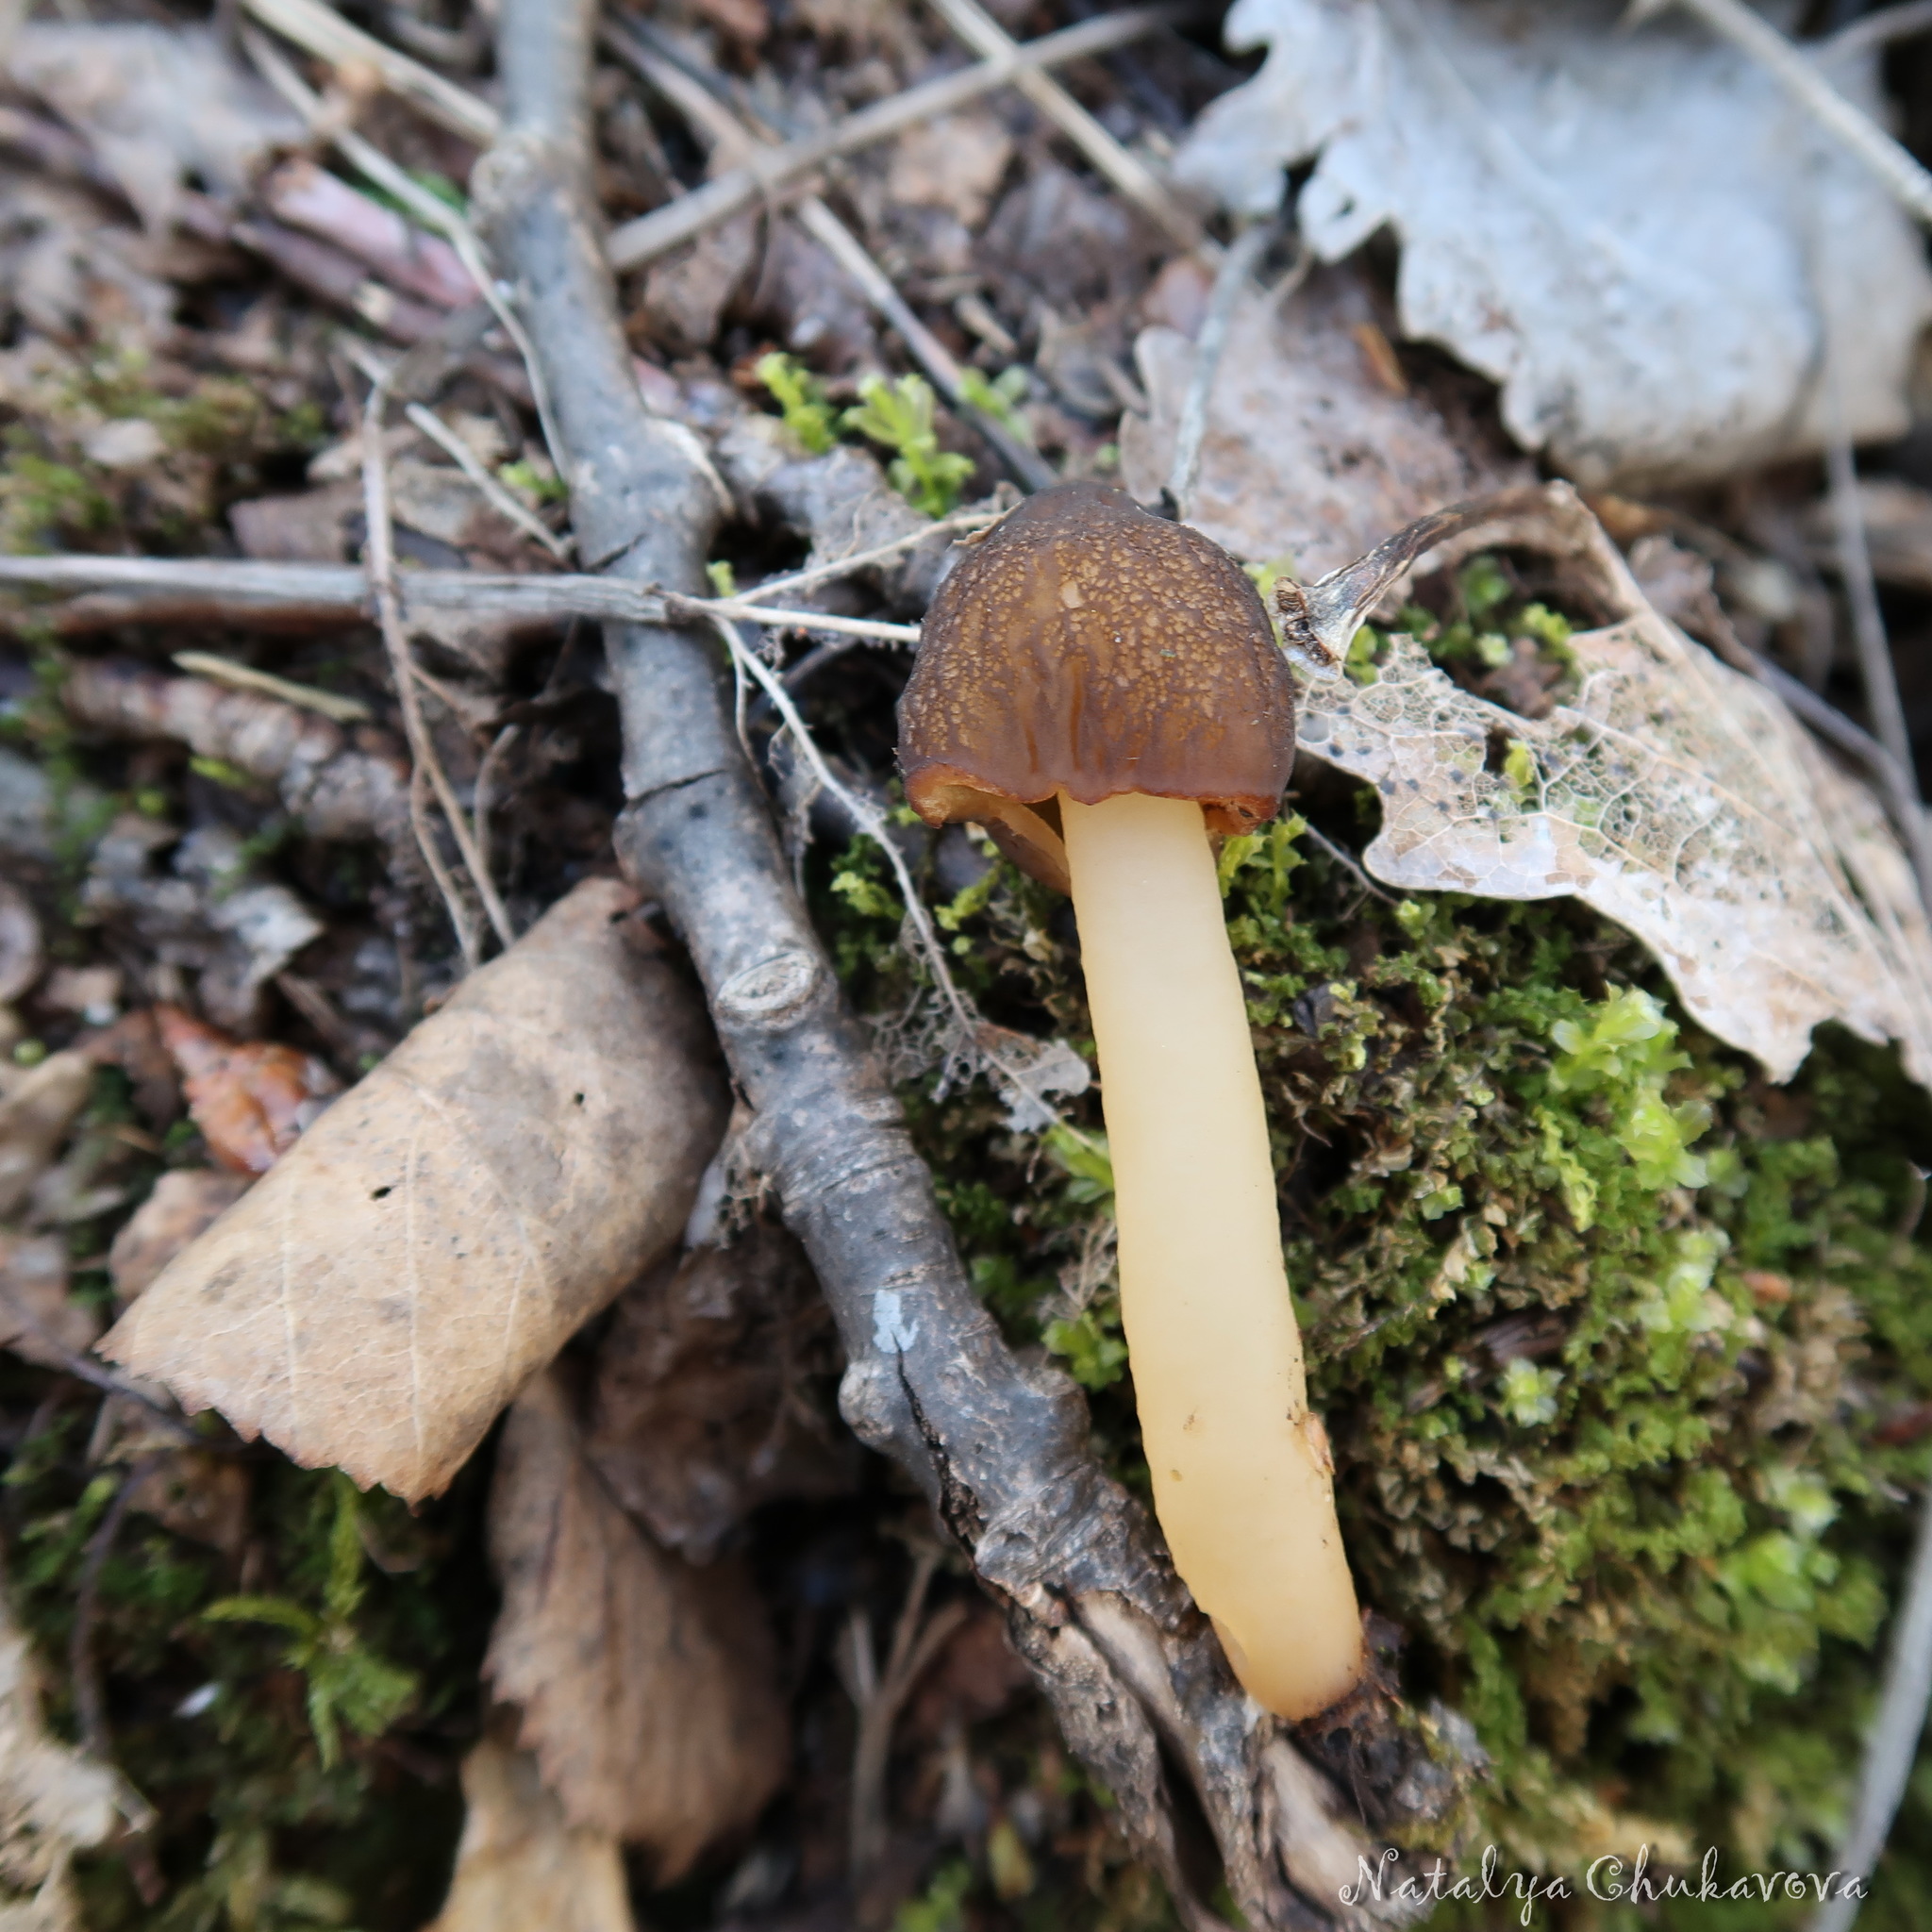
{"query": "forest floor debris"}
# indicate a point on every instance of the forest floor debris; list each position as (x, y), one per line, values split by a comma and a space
(1628, 1344)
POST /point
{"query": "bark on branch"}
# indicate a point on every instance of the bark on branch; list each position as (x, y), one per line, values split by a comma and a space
(1133, 1672)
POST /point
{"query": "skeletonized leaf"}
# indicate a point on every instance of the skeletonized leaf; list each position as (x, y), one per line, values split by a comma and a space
(1674, 794)
(646, 1684)
(1635, 232)
(435, 1237)
(519, 1863)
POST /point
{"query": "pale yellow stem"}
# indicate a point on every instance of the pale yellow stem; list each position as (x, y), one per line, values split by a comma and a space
(1242, 1480)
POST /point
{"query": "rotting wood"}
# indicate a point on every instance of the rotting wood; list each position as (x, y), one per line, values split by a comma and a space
(998, 1446)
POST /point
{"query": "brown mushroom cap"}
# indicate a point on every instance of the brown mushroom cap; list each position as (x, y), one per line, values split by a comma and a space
(1085, 646)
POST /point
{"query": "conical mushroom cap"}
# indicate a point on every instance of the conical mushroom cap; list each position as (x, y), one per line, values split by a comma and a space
(1085, 646)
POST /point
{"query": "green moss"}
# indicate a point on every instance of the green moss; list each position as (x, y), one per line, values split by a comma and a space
(1608, 1332)
(263, 1825)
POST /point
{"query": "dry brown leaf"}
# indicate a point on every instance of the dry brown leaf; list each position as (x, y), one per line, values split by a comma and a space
(439, 1233)
(520, 1866)
(646, 1684)
(34, 1308)
(53, 1801)
(1674, 794)
(698, 1414)
(198, 1495)
(40, 1108)
(251, 1098)
(185, 1202)
(1309, 450)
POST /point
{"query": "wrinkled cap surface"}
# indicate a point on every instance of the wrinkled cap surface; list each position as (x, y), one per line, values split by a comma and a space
(1085, 646)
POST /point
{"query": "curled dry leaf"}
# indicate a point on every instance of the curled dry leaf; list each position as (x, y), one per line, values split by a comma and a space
(1310, 453)
(35, 1118)
(699, 1412)
(1637, 234)
(441, 1232)
(251, 1098)
(1672, 793)
(646, 1684)
(53, 1801)
(185, 1202)
(520, 1864)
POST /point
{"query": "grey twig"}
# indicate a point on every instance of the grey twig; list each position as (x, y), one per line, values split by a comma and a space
(1894, 1740)
(998, 1446)
(766, 174)
(1133, 177)
(1230, 279)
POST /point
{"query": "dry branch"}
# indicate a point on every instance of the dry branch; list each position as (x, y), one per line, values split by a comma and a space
(998, 1446)
(767, 173)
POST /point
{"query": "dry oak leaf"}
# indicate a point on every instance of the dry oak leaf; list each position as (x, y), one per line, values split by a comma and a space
(520, 1865)
(251, 1098)
(646, 1684)
(1674, 794)
(438, 1235)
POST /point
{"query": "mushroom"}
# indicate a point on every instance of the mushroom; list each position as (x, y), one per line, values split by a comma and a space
(1100, 689)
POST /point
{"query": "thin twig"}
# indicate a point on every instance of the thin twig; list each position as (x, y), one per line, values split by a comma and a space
(382, 573)
(969, 1042)
(1910, 184)
(1894, 1738)
(342, 594)
(880, 1695)
(728, 131)
(764, 174)
(1862, 591)
(433, 213)
(1348, 862)
(1131, 176)
(326, 704)
(322, 31)
(1877, 30)
(1230, 279)
(494, 494)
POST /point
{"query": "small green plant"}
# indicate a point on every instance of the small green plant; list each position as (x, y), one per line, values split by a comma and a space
(900, 416)
(347, 1683)
(723, 579)
(800, 394)
(1000, 398)
(942, 1909)
(544, 485)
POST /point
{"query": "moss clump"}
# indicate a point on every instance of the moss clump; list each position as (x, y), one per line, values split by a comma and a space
(1621, 1348)
(298, 1743)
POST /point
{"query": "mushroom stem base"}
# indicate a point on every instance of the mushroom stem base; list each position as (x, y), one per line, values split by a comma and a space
(1241, 1467)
